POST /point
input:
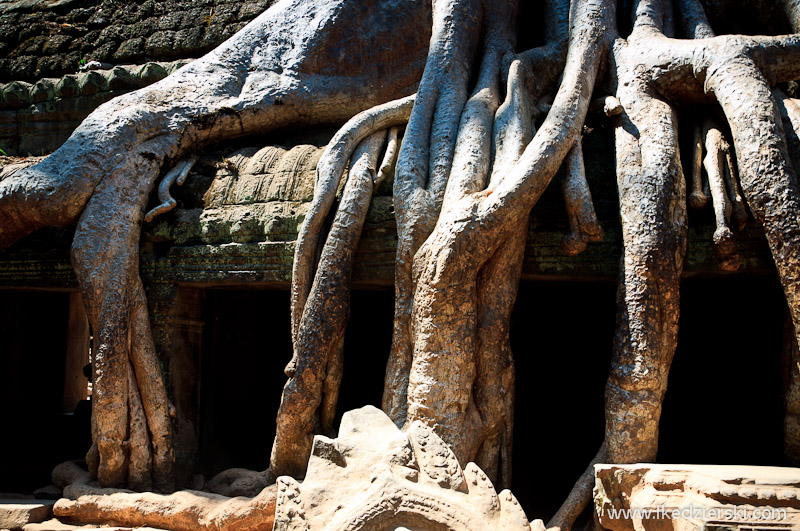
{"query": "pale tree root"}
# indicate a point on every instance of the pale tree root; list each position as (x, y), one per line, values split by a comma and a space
(422, 169)
(308, 403)
(177, 175)
(102, 177)
(477, 219)
(330, 169)
(651, 188)
(420, 189)
(583, 224)
(180, 511)
(716, 164)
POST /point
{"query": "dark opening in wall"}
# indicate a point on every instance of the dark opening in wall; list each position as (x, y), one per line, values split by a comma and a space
(561, 338)
(247, 344)
(724, 403)
(36, 433)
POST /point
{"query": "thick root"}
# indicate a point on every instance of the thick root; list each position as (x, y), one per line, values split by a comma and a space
(84, 503)
(315, 371)
(104, 173)
(423, 167)
(715, 163)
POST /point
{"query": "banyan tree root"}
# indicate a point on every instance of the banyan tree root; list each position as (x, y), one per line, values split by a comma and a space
(308, 403)
(652, 69)
(479, 233)
(716, 164)
(103, 175)
(470, 163)
(177, 175)
(583, 224)
(84, 503)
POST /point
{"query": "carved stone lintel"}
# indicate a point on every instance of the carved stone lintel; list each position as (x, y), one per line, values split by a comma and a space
(696, 497)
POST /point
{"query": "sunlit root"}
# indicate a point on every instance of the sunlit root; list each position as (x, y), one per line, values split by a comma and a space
(715, 163)
(330, 168)
(84, 503)
(176, 175)
(389, 157)
(698, 198)
(141, 460)
(609, 105)
(308, 403)
(739, 214)
(584, 226)
(181, 511)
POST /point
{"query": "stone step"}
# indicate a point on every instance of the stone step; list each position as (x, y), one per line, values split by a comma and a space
(15, 513)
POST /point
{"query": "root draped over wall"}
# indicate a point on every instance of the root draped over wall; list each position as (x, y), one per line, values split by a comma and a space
(472, 130)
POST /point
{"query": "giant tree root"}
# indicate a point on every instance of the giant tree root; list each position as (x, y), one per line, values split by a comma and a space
(651, 70)
(276, 72)
(180, 511)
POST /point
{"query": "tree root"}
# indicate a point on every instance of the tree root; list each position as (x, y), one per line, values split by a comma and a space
(177, 175)
(578, 498)
(716, 164)
(734, 71)
(308, 403)
(583, 223)
(422, 170)
(473, 225)
(180, 511)
(329, 173)
(102, 177)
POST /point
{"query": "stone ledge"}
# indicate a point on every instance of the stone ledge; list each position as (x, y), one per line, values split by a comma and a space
(14, 514)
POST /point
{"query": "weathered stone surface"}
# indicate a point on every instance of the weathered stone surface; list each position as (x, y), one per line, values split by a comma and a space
(373, 476)
(16, 513)
(50, 38)
(38, 118)
(239, 212)
(55, 525)
(696, 497)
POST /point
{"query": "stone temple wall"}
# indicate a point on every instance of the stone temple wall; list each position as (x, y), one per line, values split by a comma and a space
(44, 94)
(50, 38)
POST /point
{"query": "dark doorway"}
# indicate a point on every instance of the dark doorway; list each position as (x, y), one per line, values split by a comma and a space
(724, 403)
(561, 338)
(247, 344)
(37, 434)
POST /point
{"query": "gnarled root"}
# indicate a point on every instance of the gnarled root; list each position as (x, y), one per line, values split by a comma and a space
(84, 503)
(423, 167)
(102, 177)
(716, 164)
(308, 403)
(583, 224)
(479, 234)
(177, 175)
(734, 70)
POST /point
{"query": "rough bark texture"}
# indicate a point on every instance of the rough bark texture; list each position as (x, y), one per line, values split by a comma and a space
(470, 168)
(256, 82)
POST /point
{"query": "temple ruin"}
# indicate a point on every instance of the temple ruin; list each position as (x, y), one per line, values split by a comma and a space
(423, 236)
